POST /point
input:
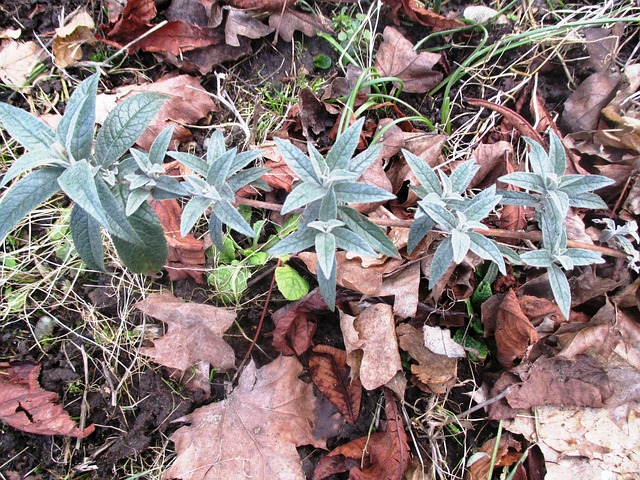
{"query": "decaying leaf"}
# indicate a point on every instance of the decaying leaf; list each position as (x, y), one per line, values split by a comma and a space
(294, 326)
(396, 58)
(286, 22)
(240, 22)
(194, 333)
(582, 108)
(254, 432)
(371, 344)
(383, 455)
(187, 103)
(27, 407)
(67, 44)
(435, 373)
(17, 61)
(417, 13)
(509, 452)
(439, 341)
(186, 254)
(330, 373)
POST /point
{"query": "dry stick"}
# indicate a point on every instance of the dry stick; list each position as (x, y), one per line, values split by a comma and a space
(491, 232)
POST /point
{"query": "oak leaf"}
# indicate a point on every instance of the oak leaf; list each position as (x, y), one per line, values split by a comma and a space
(396, 58)
(254, 432)
(330, 373)
(27, 407)
(286, 22)
(194, 333)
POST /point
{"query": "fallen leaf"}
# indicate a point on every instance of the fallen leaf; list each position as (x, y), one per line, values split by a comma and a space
(582, 108)
(330, 373)
(344, 457)
(279, 176)
(202, 60)
(240, 22)
(371, 345)
(396, 58)
(435, 373)
(68, 41)
(404, 285)
(194, 333)
(595, 281)
(286, 22)
(439, 341)
(261, 5)
(313, 114)
(17, 61)
(509, 452)
(254, 432)
(186, 254)
(27, 407)
(187, 103)
(514, 333)
(294, 326)
(417, 13)
(492, 158)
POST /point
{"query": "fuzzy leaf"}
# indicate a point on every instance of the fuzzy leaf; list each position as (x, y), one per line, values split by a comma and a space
(327, 286)
(482, 204)
(326, 251)
(575, 184)
(361, 193)
(538, 158)
(26, 129)
(196, 164)
(560, 288)
(191, 212)
(525, 180)
(351, 242)
(243, 159)
(441, 261)
(439, 214)
(294, 243)
(124, 125)
(28, 161)
(216, 147)
(519, 199)
(303, 194)
(87, 239)
(230, 216)
(75, 130)
(160, 146)
(557, 155)
(460, 243)
(136, 198)
(170, 185)
(372, 234)
(340, 154)
(581, 257)
(219, 169)
(587, 200)
(245, 177)
(487, 249)
(363, 160)
(118, 223)
(424, 173)
(461, 177)
(26, 195)
(537, 258)
(419, 229)
(298, 162)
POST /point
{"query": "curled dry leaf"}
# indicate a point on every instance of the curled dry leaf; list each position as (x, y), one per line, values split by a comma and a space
(186, 254)
(509, 452)
(371, 344)
(194, 333)
(417, 13)
(434, 373)
(67, 44)
(17, 61)
(27, 407)
(331, 374)
(240, 22)
(254, 432)
(294, 326)
(396, 58)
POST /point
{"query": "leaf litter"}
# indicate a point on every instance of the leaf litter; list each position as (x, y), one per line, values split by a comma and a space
(575, 374)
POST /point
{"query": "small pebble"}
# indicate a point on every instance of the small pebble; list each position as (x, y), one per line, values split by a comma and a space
(44, 327)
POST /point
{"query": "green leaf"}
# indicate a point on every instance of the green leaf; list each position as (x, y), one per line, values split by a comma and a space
(351, 242)
(587, 200)
(423, 172)
(538, 158)
(439, 214)
(160, 145)
(461, 177)
(560, 288)
(340, 154)
(327, 286)
(136, 198)
(460, 243)
(301, 195)
(230, 216)
(79, 185)
(418, 230)
(581, 256)
(326, 251)
(482, 204)
(219, 169)
(322, 62)
(191, 212)
(526, 180)
(575, 184)
(26, 129)
(372, 234)
(290, 283)
(298, 162)
(295, 242)
(230, 282)
(28, 161)
(196, 164)
(441, 261)
(149, 254)
(124, 125)
(26, 195)
(537, 258)
(363, 160)
(361, 193)
(118, 222)
(486, 248)
(519, 199)
(75, 130)
(87, 239)
(215, 232)
(557, 155)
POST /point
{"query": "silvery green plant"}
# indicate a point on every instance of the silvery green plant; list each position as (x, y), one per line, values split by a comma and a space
(326, 187)
(445, 204)
(616, 236)
(551, 192)
(85, 166)
(217, 179)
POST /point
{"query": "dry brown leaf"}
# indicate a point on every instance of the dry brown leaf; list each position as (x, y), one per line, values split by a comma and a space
(492, 159)
(404, 285)
(417, 13)
(203, 60)
(509, 452)
(67, 44)
(439, 341)
(17, 61)
(279, 176)
(396, 58)
(435, 373)
(286, 22)
(294, 326)
(186, 254)
(27, 407)
(187, 103)
(243, 23)
(594, 281)
(194, 333)
(261, 5)
(344, 457)
(254, 432)
(330, 373)
(371, 344)
(513, 330)
(313, 113)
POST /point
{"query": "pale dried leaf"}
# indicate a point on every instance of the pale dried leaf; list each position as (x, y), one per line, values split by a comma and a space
(439, 341)
(286, 22)
(240, 22)
(254, 432)
(17, 61)
(68, 41)
(404, 285)
(582, 108)
(194, 333)
(371, 344)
